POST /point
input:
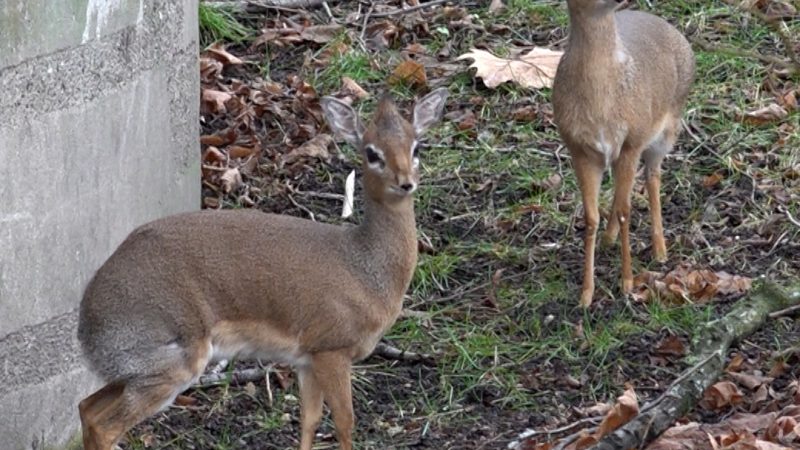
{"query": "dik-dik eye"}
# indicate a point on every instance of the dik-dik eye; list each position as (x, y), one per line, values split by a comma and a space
(415, 153)
(374, 157)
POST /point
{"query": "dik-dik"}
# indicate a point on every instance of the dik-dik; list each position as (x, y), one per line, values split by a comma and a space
(617, 97)
(191, 288)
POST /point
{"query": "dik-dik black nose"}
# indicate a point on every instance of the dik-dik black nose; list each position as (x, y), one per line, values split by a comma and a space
(408, 187)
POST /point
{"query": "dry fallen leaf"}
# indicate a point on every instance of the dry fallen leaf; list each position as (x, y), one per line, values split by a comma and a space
(496, 6)
(213, 101)
(684, 284)
(549, 184)
(238, 151)
(626, 408)
(767, 114)
(671, 345)
(218, 52)
(317, 147)
(722, 395)
(351, 88)
(230, 180)
(713, 179)
(409, 72)
(533, 70)
(750, 381)
(321, 34)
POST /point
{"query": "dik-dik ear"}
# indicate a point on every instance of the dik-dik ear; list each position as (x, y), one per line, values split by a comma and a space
(429, 110)
(342, 120)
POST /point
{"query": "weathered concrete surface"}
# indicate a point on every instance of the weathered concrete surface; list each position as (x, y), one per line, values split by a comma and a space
(98, 134)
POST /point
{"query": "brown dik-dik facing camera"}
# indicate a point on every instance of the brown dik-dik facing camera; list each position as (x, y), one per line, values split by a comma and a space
(618, 96)
(171, 298)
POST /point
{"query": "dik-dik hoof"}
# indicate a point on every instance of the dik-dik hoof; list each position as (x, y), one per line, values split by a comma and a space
(627, 285)
(660, 252)
(607, 239)
(586, 297)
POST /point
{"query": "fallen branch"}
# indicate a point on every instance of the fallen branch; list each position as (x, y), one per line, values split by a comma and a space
(711, 346)
(235, 377)
(410, 9)
(253, 6)
(390, 352)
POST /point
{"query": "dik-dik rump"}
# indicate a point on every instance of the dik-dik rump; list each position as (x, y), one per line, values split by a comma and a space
(618, 97)
(187, 289)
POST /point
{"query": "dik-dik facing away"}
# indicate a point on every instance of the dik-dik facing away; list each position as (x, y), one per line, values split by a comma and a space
(617, 97)
(190, 288)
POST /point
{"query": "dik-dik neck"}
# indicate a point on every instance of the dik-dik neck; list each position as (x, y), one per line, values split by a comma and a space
(387, 238)
(594, 44)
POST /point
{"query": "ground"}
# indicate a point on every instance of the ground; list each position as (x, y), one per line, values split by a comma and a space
(495, 295)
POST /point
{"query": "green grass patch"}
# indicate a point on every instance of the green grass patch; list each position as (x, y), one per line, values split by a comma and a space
(218, 24)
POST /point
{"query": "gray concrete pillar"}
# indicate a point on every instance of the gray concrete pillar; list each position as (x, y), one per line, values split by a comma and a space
(98, 134)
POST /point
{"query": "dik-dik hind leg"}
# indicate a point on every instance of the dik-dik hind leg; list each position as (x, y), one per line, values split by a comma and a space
(589, 171)
(94, 405)
(624, 172)
(332, 372)
(653, 156)
(310, 407)
(115, 409)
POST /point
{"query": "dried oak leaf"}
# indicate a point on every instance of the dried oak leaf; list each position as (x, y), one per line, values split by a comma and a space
(317, 147)
(670, 345)
(684, 284)
(550, 183)
(239, 151)
(626, 408)
(409, 72)
(230, 180)
(721, 395)
(351, 88)
(750, 381)
(785, 429)
(321, 34)
(535, 69)
(213, 101)
(218, 52)
(496, 6)
(767, 114)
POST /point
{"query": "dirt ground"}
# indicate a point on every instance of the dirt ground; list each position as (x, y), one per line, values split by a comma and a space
(494, 299)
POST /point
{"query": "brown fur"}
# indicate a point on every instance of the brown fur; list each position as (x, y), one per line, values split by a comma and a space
(185, 289)
(618, 96)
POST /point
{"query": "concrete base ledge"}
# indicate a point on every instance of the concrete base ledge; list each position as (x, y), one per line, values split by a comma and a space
(98, 134)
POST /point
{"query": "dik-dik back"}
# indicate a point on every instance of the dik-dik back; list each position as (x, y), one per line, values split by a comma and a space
(618, 96)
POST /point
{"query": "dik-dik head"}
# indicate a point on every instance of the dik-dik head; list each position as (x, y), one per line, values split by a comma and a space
(594, 7)
(388, 144)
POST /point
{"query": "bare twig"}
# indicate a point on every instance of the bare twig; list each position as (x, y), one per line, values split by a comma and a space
(588, 420)
(255, 5)
(235, 377)
(785, 312)
(411, 9)
(789, 215)
(390, 352)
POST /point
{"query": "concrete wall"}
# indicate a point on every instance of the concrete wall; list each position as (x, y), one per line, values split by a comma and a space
(98, 134)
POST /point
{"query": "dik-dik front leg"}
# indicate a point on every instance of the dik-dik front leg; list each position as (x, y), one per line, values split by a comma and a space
(332, 376)
(624, 172)
(589, 166)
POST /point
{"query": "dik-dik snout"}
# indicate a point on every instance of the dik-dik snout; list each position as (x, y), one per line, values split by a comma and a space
(618, 95)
